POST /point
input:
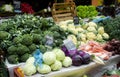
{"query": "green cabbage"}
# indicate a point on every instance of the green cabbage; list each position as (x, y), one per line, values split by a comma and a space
(56, 66)
(44, 69)
(29, 69)
(30, 60)
(67, 62)
(60, 55)
(49, 58)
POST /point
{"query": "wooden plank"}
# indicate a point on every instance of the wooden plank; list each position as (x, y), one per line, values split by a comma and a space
(61, 15)
(62, 11)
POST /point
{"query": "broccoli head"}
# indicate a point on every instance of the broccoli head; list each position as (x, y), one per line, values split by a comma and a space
(27, 39)
(21, 49)
(24, 57)
(4, 35)
(5, 44)
(32, 48)
(37, 38)
(43, 48)
(13, 59)
(12, 50)
(17, 40)
(3, 26)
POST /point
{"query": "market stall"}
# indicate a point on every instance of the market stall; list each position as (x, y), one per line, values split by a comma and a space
(72, 41)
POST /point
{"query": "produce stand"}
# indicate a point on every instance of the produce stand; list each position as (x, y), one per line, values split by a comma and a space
(75, 71)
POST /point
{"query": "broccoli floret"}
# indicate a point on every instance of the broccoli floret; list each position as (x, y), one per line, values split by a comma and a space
(32, 48)
(37, 38)
(4, 35)
(24, 57)
(37, 31)
(17, 40)
(13, 59)
(3, 26)
(5, 44)
(27, 39)
(43, 48)
(48, 33)
(21, 49)
(56, 34)
(12, 50)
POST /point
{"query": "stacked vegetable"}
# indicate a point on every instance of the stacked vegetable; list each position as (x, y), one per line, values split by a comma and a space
(81, 34)
(6, 8)
(86, 11)
(21, 35)
(52, 61)
(112, 27)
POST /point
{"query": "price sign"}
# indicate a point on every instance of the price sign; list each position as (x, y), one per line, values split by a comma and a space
(49, 40)
(76, 20)
(69, 44)
(17, 6)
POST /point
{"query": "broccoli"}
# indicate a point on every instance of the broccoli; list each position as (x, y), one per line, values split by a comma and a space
(4, 35)
(3, 26)
(21, 49)
(24, 57)
(37, 38)
(17, 39)
(43, 48)
(5, 44)
(13, 59)
(37, 31)
(12, 50)
(32, 48)
(27, 39)
(56, 34)
(48, 33)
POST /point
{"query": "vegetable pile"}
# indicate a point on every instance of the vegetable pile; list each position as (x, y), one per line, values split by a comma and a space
(6, 8)
(112, 27)
(53, 60)
(113, 46)
(86, 11)
(21, 35)
(95, 48)
(81, 34)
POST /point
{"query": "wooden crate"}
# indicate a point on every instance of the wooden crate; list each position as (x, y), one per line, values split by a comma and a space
(63, 11)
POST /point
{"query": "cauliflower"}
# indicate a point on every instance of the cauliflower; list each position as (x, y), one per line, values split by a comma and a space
(64, 27)
(60, 55)
(73, 38)
(105, 36)
(99, 37)
(44, 69)
(91, 29)
(56, 66)
(91, 36)
(101, 30)
(67, 62)
(92, 24)
(29, 69)
(49, 57)
(30, 60)
(80, 29)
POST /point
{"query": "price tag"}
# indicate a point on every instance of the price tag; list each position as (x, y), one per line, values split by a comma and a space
(76, 20)
(49, 40)
(69, 44)
(17, 6)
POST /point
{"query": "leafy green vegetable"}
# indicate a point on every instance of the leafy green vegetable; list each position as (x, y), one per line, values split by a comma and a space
(13, 59)
(86, 11)
(24, 57)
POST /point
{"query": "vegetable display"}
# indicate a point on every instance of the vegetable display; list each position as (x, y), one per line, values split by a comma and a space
(53, 60)
(23, 34)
